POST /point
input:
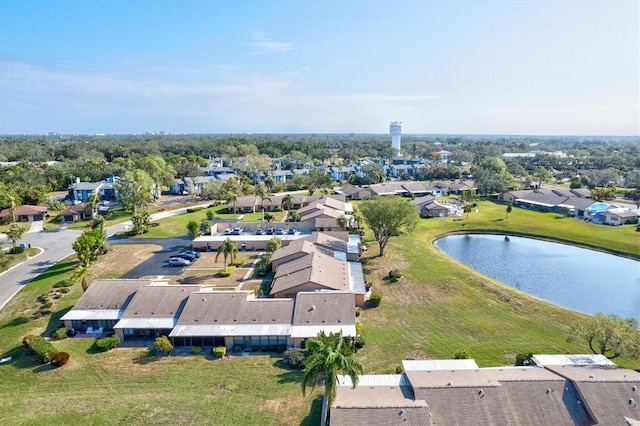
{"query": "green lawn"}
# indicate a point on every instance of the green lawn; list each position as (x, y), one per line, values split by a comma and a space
(437, 307)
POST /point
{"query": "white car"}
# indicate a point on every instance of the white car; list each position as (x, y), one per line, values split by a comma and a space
(179, 261)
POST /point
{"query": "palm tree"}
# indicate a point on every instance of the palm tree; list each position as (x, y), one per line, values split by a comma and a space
(12, 207)
(82, 273)
(262, 193)
(228, 249)
(93, 200)
(329, 355)
(287, 202)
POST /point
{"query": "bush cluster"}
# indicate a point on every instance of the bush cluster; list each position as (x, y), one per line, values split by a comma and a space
(295, 357)
(394, 273)
(60, 358)
(360, 341)
(219, 351)
(195, 350)
(461, 353)
(226, 272)
(107, 343)
(524, 358)
(375, 299)
(59, 333)
(63, 283)
(40, 347)
(194, 209)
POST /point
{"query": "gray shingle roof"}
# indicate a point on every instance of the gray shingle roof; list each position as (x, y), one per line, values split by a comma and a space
(109, 294)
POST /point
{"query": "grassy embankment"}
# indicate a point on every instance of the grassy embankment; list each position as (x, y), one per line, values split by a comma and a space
(436, 308)
(440, 305)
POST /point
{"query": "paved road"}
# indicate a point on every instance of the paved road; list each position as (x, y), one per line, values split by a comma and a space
(56, 245)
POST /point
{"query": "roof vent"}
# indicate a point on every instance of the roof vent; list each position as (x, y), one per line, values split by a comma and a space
(312, 308)
(633, 389)
(591, 376)
(630, 401)
(401, 412)
(450, 383)
(548, 390)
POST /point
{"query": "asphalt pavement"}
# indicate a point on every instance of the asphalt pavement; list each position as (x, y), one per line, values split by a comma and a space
(57, 245)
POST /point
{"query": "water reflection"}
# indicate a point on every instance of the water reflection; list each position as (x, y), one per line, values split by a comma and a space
(579, 279)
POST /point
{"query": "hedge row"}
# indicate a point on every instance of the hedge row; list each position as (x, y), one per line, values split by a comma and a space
(40, 347)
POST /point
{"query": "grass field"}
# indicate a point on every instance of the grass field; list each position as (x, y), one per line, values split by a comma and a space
(437, 307)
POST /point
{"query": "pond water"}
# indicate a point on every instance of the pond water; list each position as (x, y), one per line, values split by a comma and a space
(579, 279)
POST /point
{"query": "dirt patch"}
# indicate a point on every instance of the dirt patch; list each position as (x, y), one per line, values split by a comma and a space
(122, 259)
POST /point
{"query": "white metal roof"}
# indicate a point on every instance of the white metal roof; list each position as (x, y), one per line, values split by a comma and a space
(375, 380)
(306, 331)
(145, 323)
(353, 246)
(232, 330)
(91, 314)
(588, 359)
(439, 364)
(356, 278)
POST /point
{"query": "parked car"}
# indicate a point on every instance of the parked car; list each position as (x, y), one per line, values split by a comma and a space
(228, 231)
(187, 256)
(269, 231)
(279, 231)
(191, 252)
(237, 231)
(292, 231)
(179, 261)
(259, 232)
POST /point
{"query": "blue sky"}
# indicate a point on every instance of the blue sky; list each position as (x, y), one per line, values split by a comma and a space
(503, 67)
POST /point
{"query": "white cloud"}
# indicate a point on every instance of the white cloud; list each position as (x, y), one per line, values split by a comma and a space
(263, 45)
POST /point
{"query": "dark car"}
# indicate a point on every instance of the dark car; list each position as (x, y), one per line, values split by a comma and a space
(259, 232)
(191, 252)
(187, 256)
(269, 231)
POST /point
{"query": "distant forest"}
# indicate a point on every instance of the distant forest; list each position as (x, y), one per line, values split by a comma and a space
(589, 161)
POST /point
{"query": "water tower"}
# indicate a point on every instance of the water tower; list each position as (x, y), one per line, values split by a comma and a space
(396, 133)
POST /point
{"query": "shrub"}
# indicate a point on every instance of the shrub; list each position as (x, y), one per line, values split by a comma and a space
(64, 290)
(295, 357)
(360, 341)
(163, 345)
(63, 283)
(255, 348)
(107, 343)
(44, 312)
(195, 350)
(59, 333)
(399, 369)
(26, 338)
(16, 250)
(375, 299)
(194, 209)
(394, 273)
(461, 353)
(219, 351)
(47, 305)
(237, 263)
(524, 358)
(358, 312)
(358, 328)
(60, 358)
(41, 348)
(226, 272)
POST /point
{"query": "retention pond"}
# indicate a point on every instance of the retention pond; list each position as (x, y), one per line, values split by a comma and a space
(575, 278)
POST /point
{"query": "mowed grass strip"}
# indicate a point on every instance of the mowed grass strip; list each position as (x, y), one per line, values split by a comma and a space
(441, 305)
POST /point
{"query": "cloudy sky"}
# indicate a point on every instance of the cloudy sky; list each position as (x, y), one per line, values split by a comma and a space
(502, 67)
